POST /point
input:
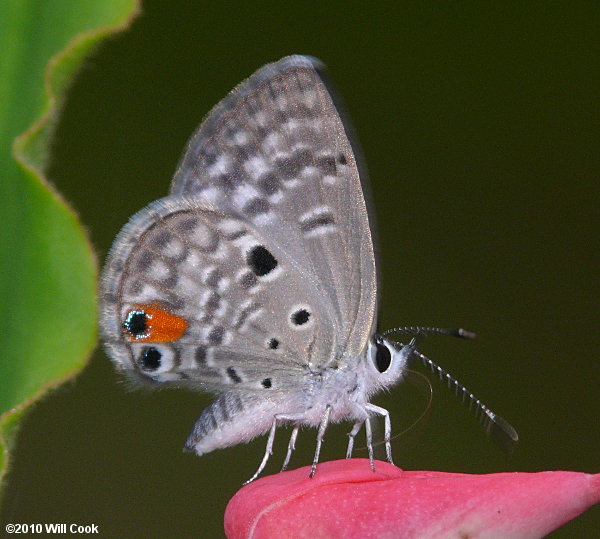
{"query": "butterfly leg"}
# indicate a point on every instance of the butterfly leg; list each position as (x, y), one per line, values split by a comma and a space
(351, 435)
(320, 435)
(270, 441)
(370, 442)
(387, 428)
(291, 447)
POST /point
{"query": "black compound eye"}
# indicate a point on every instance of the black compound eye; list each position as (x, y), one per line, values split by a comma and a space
(383, 357)
(151, 359)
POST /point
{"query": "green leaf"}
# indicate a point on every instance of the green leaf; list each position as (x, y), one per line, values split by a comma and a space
(48, 275)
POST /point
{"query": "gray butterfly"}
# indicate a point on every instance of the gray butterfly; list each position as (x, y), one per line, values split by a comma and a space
(255, 278)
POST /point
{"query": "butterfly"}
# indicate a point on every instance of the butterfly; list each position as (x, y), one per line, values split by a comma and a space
(255, 278)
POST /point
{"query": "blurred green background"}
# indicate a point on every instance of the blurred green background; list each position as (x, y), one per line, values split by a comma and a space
(479, 124)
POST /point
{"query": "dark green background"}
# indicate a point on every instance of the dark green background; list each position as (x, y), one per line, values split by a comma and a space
(479, 125)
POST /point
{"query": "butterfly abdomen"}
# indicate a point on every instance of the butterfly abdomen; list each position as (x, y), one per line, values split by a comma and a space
(232, 418)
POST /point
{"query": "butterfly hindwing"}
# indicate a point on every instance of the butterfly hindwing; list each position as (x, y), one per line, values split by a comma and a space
(220, 304)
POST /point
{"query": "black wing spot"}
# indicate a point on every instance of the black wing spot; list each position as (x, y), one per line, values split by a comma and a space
(273, 344)
(300, 317)
(233, 375)
(136, 324)
(151, 358)
(261, 261)
(266, 383)
(342, 159)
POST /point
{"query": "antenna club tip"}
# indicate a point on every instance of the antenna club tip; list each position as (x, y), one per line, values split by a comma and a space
(466, 334)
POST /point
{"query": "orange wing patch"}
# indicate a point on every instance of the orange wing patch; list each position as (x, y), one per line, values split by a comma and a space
(150, 323)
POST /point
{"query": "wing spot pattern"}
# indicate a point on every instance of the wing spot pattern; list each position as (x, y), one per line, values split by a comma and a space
(247, 280)
(269, 183)
(327, 164)
(213, 277)
(151, 359)
(249, 310)
(300, 317)
(233, 375)
(256, 206)
(317, 221)
(216, 335)
(201, 356)
(261, 261)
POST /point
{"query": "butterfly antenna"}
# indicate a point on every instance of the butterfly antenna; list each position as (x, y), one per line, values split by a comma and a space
(422, 331)
(495, 427)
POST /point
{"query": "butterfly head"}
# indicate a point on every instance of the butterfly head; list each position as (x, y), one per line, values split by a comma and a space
(387, 360)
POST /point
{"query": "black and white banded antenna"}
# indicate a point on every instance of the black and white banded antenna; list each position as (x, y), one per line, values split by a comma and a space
(422, 331)
(495, 426)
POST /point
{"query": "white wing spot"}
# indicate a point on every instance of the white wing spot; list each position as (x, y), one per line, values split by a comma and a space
(159, 270)
(174, 248)
(205, 238)
(231, 227)
(147, 294)
(244, 194)
(272, 143)
(256, 167)
(241, 138)
(221, 166)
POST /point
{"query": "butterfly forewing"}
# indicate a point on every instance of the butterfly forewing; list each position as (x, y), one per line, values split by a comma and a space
(276, 154)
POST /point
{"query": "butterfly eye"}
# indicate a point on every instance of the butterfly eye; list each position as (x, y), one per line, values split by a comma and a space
(382, 357)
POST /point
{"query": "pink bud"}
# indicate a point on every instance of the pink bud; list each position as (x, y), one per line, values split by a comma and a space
(346, 499)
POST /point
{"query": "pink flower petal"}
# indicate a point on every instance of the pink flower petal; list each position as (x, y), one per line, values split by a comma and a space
(346, 499)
